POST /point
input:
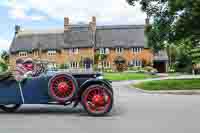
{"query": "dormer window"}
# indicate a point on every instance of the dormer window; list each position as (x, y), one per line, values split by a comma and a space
(51, 53)
(73, 50)
(23, 54)
(119, 50)
(136, 50)
(104, 50)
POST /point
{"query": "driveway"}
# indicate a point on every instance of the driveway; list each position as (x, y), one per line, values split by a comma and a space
(134, 112)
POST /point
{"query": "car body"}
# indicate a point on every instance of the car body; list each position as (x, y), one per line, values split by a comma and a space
(55, 87)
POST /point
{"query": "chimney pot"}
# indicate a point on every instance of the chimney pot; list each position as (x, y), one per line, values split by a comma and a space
(93, 24)
(17, 29)
(66, 23)
(94, 19)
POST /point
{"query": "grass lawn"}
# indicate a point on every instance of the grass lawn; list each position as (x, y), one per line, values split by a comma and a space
(183, 84)
(127, 76)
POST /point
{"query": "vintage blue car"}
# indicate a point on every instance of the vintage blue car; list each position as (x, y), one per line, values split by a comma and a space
(54, 87)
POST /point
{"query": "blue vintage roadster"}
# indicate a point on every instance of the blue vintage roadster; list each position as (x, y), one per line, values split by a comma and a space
(54, 87)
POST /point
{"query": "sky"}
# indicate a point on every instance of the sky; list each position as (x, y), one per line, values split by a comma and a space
(49, 14)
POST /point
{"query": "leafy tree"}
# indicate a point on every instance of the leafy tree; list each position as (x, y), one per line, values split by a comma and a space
(5, 56)
(173, 20)
(99, 58)
(195, 54)
(183, 56)
(172, 51)
(175, 23)
(120, 63)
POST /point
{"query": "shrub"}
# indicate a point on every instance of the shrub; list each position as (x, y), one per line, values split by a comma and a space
(3, 67)
(148, 68)
(171, 70)
(108, 70)
(153, 71)
(133, 68)
(63, 66)
(95, 67)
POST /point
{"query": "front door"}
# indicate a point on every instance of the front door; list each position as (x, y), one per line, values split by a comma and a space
(160, 66)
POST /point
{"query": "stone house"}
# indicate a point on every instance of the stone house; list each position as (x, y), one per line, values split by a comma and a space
(77, 45)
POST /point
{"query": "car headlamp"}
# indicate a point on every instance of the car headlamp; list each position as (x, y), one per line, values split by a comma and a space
(100, 77)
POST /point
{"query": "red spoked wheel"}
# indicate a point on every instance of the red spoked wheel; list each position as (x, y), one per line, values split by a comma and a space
(62, 88)
(97, 100)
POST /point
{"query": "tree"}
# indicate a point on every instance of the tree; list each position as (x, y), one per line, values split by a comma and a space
(5, 56)
(99, 58)
(195, 54)
(175, 23)
(173, 20)
(4, 60)
(120, 62)
(183, 56)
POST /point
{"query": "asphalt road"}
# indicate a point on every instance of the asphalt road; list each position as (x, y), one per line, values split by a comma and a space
(134, 112)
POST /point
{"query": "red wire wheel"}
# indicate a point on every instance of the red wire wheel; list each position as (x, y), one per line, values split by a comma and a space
(97, 100)
(62, 88)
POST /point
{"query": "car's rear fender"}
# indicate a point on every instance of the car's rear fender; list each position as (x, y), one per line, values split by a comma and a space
(90, 82)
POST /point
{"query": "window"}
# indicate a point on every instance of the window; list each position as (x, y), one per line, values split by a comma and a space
(51, 53)
(74, 64)
(119, 50)
(23, 54)
(137, 50)
(104, 50)
(137, 62)
(73, 51)
(106, 64)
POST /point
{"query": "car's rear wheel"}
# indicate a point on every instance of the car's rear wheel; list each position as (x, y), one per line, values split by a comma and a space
(10, 107)
(97, 100)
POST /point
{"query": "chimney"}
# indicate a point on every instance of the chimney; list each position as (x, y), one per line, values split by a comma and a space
(93, 24)
(66, 23)
(17, 29)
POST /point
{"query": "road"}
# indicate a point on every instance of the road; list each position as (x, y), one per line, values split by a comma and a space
(134, 112)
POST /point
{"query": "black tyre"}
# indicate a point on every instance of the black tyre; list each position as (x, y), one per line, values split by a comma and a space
(97, 100)
(10, 108)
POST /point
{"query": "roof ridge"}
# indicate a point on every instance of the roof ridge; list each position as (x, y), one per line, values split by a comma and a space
(120, 27)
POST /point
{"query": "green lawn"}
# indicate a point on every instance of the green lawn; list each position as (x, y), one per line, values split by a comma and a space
(186, 84)
(127, 76)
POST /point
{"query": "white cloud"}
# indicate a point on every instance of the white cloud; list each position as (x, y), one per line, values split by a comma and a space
(4, 44)
(106, 11)
(18, 13)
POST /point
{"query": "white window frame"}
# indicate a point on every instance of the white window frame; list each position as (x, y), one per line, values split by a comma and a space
(119, 50)
(106, 64)
(51, 52)
(23, 54)
(74, 65)
(136, 50)
(104, 50)
(137, 63)
(74, 50)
